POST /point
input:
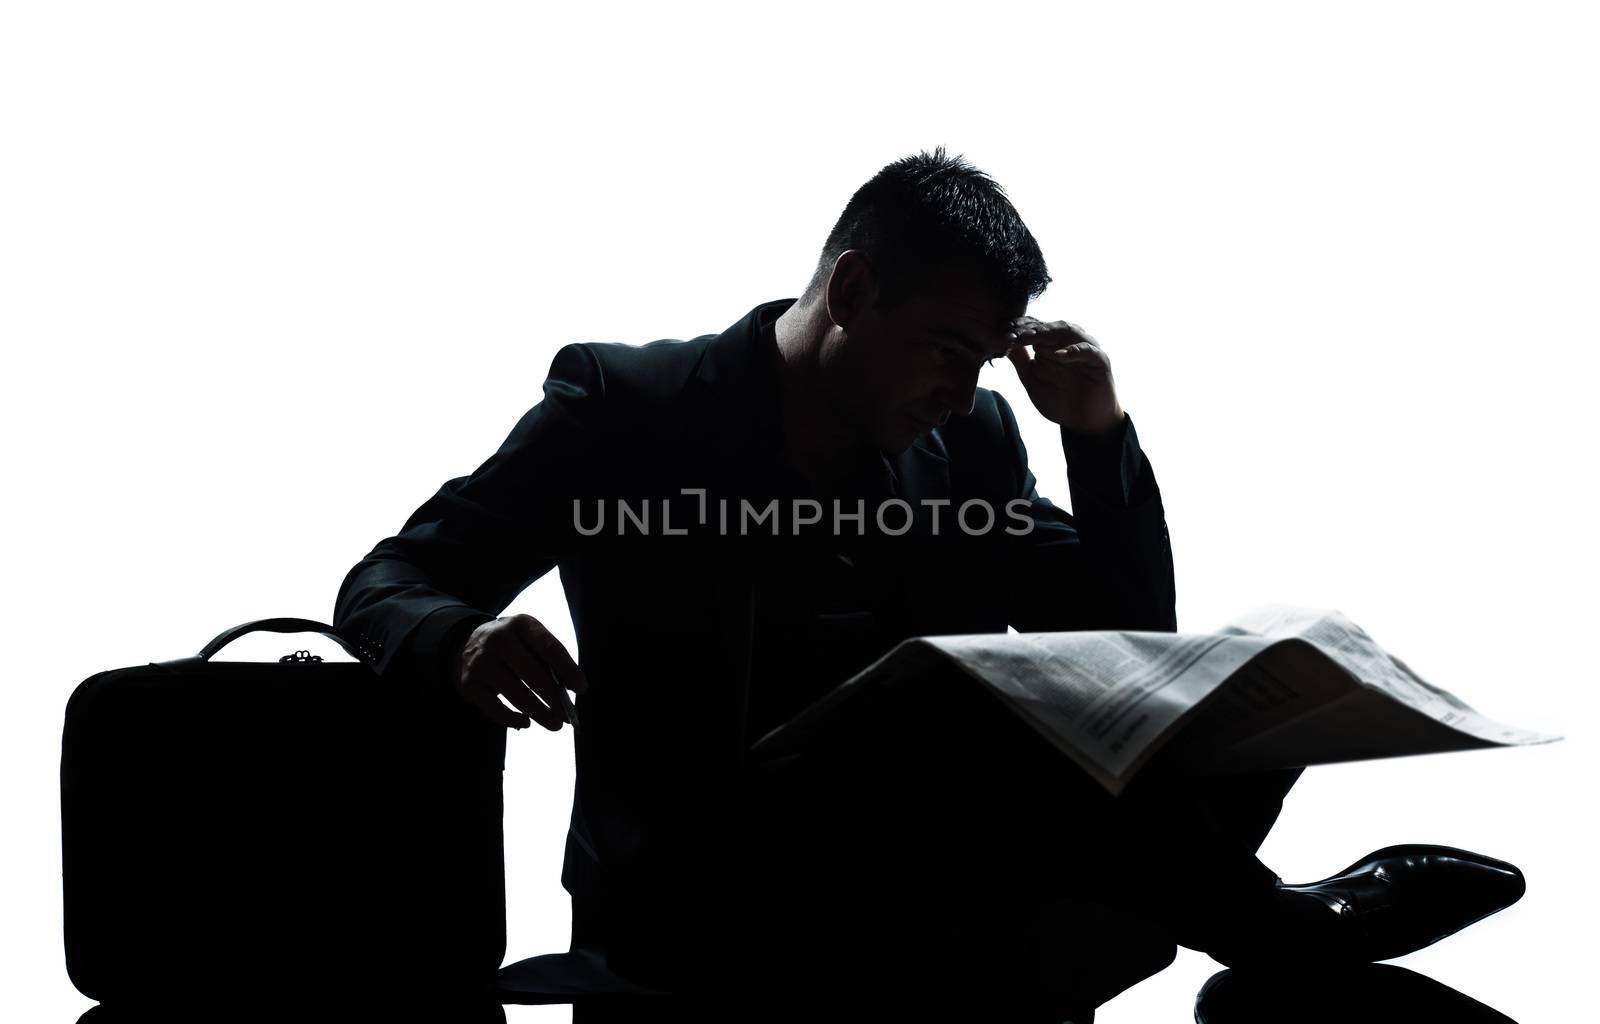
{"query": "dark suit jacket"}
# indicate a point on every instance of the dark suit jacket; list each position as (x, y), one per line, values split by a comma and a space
(664, 623)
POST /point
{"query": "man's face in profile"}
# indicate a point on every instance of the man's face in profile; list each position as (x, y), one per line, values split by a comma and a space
(899, 373)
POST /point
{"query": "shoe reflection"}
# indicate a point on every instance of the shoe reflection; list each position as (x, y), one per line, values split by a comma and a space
(240, 1011)
(1313, 995)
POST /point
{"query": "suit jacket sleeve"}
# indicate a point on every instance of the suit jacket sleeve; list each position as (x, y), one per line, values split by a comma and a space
(1108, 563)
(482, 539)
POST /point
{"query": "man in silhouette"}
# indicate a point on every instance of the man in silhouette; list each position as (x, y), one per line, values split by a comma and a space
(744, 520)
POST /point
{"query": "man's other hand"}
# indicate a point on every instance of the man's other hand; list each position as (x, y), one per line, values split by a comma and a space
(1068, 375)
(516, 657)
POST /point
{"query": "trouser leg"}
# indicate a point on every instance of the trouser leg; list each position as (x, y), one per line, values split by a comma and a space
(1245, 806)
(979, 846)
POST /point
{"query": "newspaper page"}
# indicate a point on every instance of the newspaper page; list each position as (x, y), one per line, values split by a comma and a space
(1278, 687)
(1372, 705)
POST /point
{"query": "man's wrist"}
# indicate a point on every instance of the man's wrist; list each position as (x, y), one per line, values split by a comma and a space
(452, 643)
(1100, 466)
(1105, 438)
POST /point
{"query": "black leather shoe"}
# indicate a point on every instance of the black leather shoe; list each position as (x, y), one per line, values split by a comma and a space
(1339, 995)
(1392, 902)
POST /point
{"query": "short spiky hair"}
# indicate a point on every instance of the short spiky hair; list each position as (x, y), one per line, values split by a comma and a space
(923, 212)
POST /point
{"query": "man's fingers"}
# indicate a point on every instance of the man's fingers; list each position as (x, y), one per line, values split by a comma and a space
(550, 651)
(1028, 327)
(1026, 365)
(1078, 350)
(536, 683)
(490, 707)
(1068, 370)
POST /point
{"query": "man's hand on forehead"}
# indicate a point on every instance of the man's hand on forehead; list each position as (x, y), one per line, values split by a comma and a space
(1067, 374)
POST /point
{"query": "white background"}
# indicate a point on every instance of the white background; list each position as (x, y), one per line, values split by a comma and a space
(272, 273)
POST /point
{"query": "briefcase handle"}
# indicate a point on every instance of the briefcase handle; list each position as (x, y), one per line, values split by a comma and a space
(283, 625)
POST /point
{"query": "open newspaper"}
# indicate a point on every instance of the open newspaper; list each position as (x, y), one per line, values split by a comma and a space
(1276, 688)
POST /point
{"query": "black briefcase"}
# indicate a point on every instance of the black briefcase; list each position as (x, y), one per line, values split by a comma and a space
(245, 835)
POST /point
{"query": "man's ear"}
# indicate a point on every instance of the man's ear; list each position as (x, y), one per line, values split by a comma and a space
(852, 287)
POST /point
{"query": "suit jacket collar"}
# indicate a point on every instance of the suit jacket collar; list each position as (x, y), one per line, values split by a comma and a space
(736, 372)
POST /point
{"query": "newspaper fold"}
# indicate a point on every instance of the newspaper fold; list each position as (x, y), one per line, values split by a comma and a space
(1278, 687)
